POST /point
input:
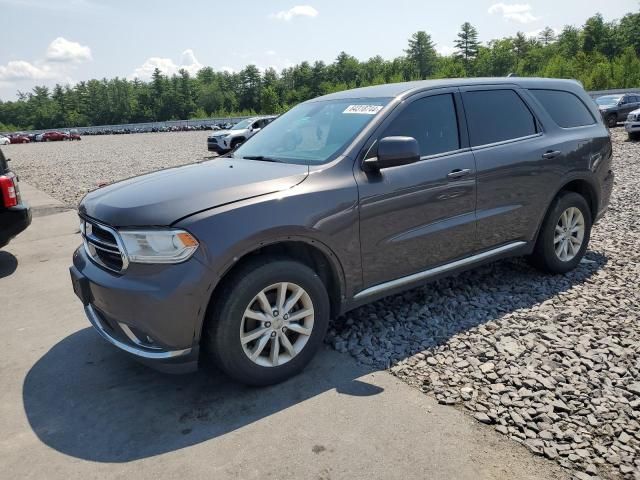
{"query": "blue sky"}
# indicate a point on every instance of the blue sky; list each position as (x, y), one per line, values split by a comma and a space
(44, 42)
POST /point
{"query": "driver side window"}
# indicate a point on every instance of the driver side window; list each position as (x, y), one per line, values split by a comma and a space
(432, 121)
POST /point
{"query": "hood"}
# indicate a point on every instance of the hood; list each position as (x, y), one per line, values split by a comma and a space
(161, 198)
(223, 133)
(219, 133)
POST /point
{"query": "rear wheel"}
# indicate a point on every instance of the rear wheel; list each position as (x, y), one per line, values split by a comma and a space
(564, 235)
(270, 320)
(612, 120)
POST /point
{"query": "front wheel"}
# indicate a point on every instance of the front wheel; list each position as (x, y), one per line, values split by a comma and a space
(564, 235)
(268, 321)
(612, 120)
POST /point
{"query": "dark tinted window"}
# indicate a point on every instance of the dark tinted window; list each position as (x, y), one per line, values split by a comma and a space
(431, 121)
(565, 108)
(496, 116)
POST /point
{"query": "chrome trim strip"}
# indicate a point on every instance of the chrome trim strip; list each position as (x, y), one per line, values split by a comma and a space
(132, 336)
(399, 282)
(97, 324)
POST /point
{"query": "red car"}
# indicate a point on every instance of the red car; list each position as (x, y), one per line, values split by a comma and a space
(54, 136)
(19, 139)
(73, 136)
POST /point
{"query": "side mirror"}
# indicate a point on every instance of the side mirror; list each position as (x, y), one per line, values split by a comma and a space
(394, 152)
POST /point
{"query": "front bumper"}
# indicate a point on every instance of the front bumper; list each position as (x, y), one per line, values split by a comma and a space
(13, 221)
(152, 312)
(215, 147)
(632, 127)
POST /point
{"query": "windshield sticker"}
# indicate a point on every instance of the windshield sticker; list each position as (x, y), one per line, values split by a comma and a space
(363, 109)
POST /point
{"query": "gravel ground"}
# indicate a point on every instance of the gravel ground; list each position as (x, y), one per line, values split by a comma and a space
(551, 361)
(68, 170)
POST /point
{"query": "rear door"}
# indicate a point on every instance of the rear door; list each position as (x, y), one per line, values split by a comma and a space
(513, 161)
(417, 216)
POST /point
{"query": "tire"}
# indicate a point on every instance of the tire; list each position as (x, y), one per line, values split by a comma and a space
(634, 135)
(612, 120)
(545, 256)
(238, 295)
(236, 143)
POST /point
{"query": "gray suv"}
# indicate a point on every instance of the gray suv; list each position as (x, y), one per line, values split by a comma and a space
(615, 108)
(342, 200)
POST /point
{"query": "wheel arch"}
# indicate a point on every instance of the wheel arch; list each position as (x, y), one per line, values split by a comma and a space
(313, 253)
(579, 185)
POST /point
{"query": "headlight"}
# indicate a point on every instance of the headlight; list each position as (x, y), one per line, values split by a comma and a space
(158, 246)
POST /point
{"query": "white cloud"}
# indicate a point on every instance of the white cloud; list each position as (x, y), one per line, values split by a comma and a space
(271, 53)
(297, 11)
(227, 69)
(66, 51)
(188, 61)
(518, 12)
(18, 70)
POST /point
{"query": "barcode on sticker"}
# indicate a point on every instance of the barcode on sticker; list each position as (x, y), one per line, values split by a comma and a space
(363, 109)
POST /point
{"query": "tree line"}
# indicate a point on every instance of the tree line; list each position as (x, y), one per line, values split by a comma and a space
(600, 54)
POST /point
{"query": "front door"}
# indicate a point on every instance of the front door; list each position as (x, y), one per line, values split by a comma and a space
(418, 216)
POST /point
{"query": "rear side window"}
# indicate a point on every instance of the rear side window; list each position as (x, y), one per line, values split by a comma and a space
(565, 108)
(432, 121)
(497, 115)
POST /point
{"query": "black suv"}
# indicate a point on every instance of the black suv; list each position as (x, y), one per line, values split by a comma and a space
(15, 215)
(342, 200)
(615, 108)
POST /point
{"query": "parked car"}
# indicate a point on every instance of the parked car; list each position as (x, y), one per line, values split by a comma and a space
(15, 215)
(4, 140)
(226, 140)
(54, 136)
(343, 200)
(615, 108)
(73, 135)
(632, 125)
(18, 138)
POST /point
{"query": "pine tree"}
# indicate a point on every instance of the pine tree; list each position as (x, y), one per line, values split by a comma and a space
(422, 54)
(467, 44)
(547, 36)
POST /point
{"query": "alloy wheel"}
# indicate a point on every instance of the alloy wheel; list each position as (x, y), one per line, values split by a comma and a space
(277, 324)
(569, 234)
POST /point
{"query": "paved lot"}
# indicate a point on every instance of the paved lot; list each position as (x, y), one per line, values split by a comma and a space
(73, 407)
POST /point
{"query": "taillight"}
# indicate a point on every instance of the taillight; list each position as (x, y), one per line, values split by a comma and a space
(8, 189)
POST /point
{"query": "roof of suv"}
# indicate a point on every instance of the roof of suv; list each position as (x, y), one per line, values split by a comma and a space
(391, 90)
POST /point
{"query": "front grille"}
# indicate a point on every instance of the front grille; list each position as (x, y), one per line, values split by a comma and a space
(102, 246)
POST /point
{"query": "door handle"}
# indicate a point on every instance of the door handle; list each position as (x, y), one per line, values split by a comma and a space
(458, 173)
(551, 154)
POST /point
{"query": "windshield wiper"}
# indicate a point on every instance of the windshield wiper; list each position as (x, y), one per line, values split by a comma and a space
(262, 158)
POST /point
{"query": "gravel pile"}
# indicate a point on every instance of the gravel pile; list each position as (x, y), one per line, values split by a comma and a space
(551, 361)
(68, 170)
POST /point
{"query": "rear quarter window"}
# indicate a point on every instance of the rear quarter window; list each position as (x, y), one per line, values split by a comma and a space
(566, 109)
(496, 116)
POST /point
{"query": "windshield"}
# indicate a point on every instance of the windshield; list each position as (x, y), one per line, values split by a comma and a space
(314, 132)
(242, 125)
(608, 100)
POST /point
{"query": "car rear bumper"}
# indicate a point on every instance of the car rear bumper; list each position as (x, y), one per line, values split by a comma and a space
(153, 314)
(13, 221)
